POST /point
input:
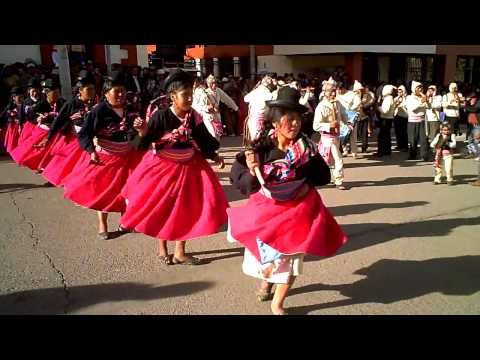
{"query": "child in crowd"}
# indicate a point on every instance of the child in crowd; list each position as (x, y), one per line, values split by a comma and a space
(444, 143)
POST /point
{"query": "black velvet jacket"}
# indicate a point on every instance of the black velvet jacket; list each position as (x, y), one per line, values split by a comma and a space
(165, 120)
(104, 123)
(63, 122)
(316, 171)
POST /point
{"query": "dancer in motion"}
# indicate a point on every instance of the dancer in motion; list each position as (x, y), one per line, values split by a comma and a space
(285, 217)
(174, 194)
(108, 159)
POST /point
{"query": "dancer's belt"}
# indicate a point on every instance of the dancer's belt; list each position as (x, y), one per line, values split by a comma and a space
(111, 147)
(175, 155)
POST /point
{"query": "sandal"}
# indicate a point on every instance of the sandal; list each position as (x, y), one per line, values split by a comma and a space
(103, 235)
(166, 260)
(190, 261)
(122, 230)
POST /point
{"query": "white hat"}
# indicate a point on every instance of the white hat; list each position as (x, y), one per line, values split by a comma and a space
(403, 88)
(452, 86)
(357, 86)
(329, 82)
(415, 84)
(387, 90)
(225, 79)
(281, 83)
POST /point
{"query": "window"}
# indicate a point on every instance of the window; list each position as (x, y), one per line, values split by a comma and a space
(414, 69)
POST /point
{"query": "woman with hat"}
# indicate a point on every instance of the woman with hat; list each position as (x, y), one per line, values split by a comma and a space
(66, 151)
(285, 217)
(416, 104)
(472, 108)
(173, 194)
(28, 153)
(10, 119)
(28, 118)
(107, 160)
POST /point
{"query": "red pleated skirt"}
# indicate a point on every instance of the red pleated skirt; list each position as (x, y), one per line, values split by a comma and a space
(34, 158)
(98, 187)
(174, 201)
(26, 132)
(292, 227)
(12, 135)
(66, 154)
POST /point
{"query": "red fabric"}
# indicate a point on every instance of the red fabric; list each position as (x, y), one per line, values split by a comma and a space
(26, 132)
(174, 201)
(290, 227)
(65, 155)
(12, 135)
(98, 187)
(26, 155)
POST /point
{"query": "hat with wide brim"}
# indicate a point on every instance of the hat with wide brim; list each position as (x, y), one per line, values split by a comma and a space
(178, 75)
(288, 98)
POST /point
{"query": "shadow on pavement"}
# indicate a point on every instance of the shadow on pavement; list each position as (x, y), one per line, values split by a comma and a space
(234, 253)
(366, 208)
(52, 300)
(369, 234)
(388, 281)
(459, 179)
(6, 188)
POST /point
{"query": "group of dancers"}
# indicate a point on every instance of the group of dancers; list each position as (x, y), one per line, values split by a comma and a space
(154, 171)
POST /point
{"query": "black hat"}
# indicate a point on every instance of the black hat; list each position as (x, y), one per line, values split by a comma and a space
(33, 83)
(85, 81)
(288, 98)
(16, 91)
(178, 75)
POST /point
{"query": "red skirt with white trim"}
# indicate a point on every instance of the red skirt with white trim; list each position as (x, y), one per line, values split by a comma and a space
(302, 226)
(169, 200)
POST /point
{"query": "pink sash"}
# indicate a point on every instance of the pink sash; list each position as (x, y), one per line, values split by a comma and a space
(325, 147)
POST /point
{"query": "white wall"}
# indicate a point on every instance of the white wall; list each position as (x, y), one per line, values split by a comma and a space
(10, 54)
(142, 56)
(299, 64)
(117, 54)
(274, 63)
(325, 49)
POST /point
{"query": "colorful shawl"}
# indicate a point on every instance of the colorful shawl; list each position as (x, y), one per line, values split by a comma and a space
(298, 154)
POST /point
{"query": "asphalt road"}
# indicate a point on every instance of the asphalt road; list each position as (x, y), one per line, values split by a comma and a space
(414, 248)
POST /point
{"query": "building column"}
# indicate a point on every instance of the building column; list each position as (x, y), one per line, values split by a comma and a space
(64, 72)
(216, 68)
(142, 56)
(198, 66)
(450, 68)
(253, 62)
(383, 68)
(236, 66)
(203, 67)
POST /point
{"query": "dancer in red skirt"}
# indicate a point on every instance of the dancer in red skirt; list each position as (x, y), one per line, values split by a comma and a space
(28, 153)
(28, 118)
(173, 194)
(285, 217)
(11, 116)
(66, 152)
(108, 160)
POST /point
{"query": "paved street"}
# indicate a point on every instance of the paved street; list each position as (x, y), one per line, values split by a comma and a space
(414, 248)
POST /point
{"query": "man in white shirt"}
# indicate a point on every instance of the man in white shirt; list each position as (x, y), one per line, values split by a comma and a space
(386, 111)
(328, 116)
(416, 104)
(452, 102)
(400, 121)
(434, 106)
(216, 96)
(256, 107)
